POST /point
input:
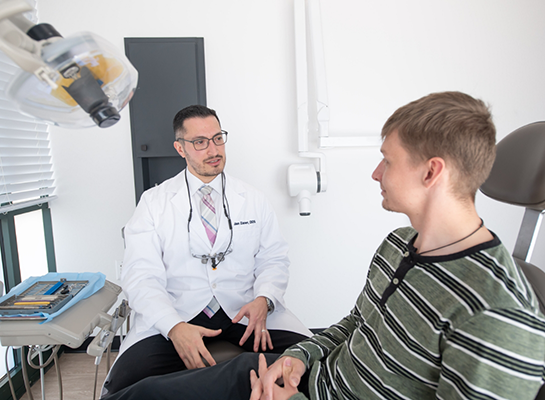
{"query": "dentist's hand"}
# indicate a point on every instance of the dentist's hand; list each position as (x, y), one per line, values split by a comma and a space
(286, 369)
(256, 312)
(187, 340)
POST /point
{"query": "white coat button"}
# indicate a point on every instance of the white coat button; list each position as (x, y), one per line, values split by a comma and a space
(406, 254)
(395, 281)
(213, 286)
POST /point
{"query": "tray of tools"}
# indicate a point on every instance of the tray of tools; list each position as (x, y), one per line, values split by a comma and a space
(43, 297)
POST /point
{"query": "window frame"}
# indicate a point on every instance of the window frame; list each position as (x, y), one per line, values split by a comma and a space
(12, 274)
(8, 243)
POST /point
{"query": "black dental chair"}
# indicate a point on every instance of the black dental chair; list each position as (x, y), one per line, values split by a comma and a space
(518, 177)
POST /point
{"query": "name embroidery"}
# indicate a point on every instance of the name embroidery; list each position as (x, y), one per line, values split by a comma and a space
(250, 222)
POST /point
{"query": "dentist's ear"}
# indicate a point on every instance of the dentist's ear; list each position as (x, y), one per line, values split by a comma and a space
(179, 148)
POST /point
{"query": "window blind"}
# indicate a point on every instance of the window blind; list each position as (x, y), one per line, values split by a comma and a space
(26, 170)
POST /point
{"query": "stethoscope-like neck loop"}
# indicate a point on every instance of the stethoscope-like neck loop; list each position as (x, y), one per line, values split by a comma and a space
(219, 257)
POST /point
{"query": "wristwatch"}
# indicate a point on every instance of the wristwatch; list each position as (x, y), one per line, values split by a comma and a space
(270, 306)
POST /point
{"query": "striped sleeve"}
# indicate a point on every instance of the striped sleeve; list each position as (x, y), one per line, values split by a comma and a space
(496, 354)
(319, 346)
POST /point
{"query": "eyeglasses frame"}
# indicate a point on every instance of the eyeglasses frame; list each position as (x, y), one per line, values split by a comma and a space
(222, 132)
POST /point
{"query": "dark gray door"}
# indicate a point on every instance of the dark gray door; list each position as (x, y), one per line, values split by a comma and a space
(171, 76)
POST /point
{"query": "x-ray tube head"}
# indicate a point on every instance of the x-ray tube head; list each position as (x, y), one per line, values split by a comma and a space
(302, 183)
(303, 198)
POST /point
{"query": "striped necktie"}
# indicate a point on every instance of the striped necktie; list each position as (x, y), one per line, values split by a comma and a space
(208, 217)
(208, 214)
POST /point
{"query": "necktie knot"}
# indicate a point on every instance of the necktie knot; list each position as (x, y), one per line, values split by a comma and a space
(205, 189)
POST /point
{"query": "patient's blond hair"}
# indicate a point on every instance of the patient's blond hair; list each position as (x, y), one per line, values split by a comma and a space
(451, 125)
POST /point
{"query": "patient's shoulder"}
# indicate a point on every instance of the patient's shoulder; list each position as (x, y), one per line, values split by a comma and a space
(405, 233)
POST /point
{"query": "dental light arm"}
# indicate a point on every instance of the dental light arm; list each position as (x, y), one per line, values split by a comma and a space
(15, 42)
(74, 82)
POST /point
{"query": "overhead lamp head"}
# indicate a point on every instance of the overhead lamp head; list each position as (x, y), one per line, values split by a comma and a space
(93, 83)
(74, 82)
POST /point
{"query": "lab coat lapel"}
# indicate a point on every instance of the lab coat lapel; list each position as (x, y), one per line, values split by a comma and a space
(236, 203)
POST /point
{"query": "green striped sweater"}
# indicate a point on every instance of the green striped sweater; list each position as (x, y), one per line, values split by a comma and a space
(462, 326)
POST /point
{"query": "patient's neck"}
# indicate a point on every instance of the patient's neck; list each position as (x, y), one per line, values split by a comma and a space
(445, 223)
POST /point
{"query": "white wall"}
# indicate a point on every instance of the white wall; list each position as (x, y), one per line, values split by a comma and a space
(379, 56)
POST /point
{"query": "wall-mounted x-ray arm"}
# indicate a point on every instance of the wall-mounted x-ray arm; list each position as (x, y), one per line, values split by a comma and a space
(305, 180)
(318, 81)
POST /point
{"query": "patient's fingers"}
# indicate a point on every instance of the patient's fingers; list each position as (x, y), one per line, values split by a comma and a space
(287, 370)
(257, 388)
(293, 370)
(255, 381)
(262, 365)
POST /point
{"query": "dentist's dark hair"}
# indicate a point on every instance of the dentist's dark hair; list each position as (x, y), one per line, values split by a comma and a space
(194, 111)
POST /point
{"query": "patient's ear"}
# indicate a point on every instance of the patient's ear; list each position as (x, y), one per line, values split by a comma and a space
(435, 171)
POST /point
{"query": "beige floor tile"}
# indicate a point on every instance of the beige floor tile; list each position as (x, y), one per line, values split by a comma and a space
(78, 377)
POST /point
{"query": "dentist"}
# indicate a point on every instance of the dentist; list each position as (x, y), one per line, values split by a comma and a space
(204, 260)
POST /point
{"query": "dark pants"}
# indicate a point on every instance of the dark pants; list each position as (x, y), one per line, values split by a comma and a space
(155, 355)
(227, 380)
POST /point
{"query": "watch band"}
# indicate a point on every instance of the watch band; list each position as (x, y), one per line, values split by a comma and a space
(270, 306)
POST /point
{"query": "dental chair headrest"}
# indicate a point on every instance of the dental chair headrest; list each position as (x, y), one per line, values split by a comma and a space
(518, 174)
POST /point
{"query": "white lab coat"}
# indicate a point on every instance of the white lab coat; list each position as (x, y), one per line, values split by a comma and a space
(166, 285)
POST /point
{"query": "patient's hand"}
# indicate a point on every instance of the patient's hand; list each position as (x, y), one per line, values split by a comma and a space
(187, 340)
(286, 369)
(256, 312)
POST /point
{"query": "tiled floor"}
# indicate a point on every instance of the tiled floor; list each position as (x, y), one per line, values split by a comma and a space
(78, 377)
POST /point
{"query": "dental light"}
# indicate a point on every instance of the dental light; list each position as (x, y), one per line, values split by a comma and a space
(74, 82)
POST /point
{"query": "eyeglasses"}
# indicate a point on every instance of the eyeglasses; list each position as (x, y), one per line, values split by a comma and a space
(202, 143)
